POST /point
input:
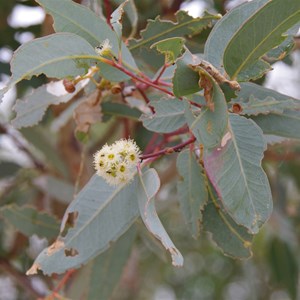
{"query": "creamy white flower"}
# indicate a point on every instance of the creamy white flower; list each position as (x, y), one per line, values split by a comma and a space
(104, 49)
(117, 163)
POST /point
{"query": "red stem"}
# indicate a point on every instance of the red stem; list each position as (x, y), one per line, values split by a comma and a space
(160, 73)
(169, 150)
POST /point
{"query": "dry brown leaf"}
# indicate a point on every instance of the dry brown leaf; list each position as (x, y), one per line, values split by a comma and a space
(88, 112)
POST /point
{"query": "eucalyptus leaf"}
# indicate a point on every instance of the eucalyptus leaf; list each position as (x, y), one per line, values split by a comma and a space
(98, 216)
(147, 187)
(192, 191)
(234, 168)
(29, 221)
(43, 56)
(116, 21)
(265, 34)
(209, 124)
(168, 116)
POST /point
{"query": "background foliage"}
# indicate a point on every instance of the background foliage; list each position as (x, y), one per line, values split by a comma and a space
(48, 159)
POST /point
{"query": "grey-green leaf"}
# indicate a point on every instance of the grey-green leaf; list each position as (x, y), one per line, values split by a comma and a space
(234, 240)
(116, 20)
(234, 168)
(71, 17)
(29, 221)
(224, 30)
(192, 191)
(168, 116)
(58, 55)
(147, 188)
(98, 216)
(209, 125)
(31, 109)
(261, 32)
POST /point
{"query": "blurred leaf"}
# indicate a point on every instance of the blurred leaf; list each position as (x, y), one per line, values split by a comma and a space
(147, 188)
(40, 140)
(32, 108)
(236, 173)
(266, 28)
(168, 116)
(100, 214)
(233, 239)
(71, 17)
(255, 106)
(185, 80)
(29, 221)
(171, 48)
(225, 29)
(42, 55)
(210, 123)
(192, 191)
(286, 124)
(8, 169)
(120, 110)
(284, 266)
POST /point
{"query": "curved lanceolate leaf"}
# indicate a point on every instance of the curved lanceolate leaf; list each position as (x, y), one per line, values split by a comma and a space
(210, 123)
(58, 55)
(30, 111)
(261, 32)
(71, 17)
(147, 188)
(98, 216)
(29, 221)
(224, 30)
(116, 20)
(192, 191)
(234, 169)
(234, 240)
(168, 116)
(254, 100)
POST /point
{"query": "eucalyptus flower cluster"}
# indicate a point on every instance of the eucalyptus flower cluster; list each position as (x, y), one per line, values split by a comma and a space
(117, 163)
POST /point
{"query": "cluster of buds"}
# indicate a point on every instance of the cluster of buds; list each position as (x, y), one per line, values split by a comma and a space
(117, 163)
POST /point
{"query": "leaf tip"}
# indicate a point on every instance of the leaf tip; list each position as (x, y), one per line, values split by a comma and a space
(34, 269)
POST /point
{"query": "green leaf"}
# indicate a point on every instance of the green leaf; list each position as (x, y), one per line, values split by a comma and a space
(29, 221)
(234, 168)
(71, 17)
(192, 191)
(225, 29)
(120, 110)
(147, 188)
(98, 216)
(261, 32)
(31, 109)
(8, 169)
(284, 266)
(209, 125)
(43, 56)
(286, 124)
(171, 48)
(234, 240)
(168, 116)
(185, 80)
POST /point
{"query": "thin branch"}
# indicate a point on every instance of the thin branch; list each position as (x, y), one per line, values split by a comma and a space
(169, 150)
